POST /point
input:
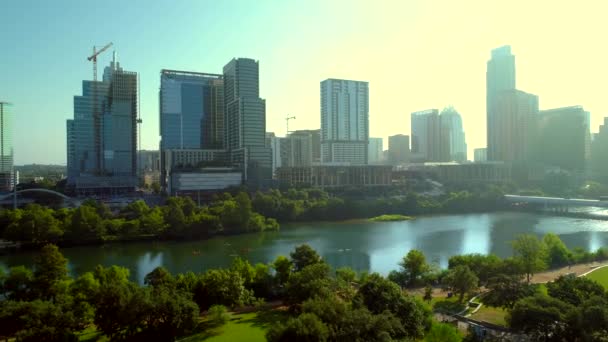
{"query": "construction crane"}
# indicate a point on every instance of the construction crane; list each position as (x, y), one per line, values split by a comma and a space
(287, 122)
(96, 115)
(93, 58)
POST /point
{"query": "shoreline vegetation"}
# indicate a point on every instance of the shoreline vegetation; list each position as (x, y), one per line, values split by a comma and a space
(390, 218)
(301, 297)
(180, 218)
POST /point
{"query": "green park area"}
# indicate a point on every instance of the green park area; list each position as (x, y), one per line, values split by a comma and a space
(240, 327)
(600, 276)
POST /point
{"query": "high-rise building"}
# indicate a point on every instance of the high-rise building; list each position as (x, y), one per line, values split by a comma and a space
(246, 121)
(398, 149)
(429, 141)
(315, 135)
(191, 110)
(7, 178)
(102, 137)
(275, 143)
(452, 126)
(515, 120)
(480, 155)
(500, 76)
(599, 153)
(374, 151)
(565, 138)
(300, 149)
(191, 115)
(344, 121)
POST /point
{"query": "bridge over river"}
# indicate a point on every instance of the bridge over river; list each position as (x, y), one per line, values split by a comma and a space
(556, 203)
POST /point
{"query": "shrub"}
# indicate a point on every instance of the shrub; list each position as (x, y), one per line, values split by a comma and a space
(218, 314)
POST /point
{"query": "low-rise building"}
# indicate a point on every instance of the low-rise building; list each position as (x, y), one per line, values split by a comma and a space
(335, 176)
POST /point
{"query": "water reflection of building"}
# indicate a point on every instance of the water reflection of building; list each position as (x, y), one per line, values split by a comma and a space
(356, 260)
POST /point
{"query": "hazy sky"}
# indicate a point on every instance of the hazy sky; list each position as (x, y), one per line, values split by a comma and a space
(414, 54)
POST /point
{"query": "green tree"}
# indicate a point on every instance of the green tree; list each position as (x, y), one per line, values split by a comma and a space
(221, 286)
(379, 294)
(530, 253)
(18, 283)
(50, 267)
(86, 225)
(462, 281)
(218, 314)
(304, 256)
(574, 290)
(484, 266)
(414, 267)
(505, 291)
(46, 321)
(34, 224)
(307, 327)
(441, 332)
(172, 314)
(541, 317)
(282, 266)
(428, 293)
(557, 252)
(121, 307)
(159, 277)
(312, 280)
(153, 222)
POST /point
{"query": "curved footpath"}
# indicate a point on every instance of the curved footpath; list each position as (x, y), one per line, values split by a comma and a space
(580, 270)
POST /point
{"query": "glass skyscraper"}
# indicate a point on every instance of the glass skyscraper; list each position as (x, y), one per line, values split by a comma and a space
(500, 76)
(246, 120)
(6, 147)
(191, 110)
(102, 136)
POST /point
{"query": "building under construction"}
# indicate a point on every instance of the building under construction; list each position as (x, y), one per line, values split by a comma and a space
(102, 136)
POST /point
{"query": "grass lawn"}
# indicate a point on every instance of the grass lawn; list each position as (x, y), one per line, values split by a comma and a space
(241, 327)
(601, 276)
(491, 315)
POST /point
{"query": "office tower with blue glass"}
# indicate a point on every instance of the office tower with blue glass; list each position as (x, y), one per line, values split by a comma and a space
(102, 136)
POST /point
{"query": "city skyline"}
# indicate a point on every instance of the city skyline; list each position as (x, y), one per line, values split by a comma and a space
(427, 76)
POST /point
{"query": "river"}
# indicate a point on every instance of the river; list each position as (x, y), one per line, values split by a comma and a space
(361, 245)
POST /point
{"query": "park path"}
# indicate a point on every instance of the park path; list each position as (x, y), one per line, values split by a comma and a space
(578, 270)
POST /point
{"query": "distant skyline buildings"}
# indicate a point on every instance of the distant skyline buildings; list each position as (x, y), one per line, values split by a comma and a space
(451, 122)
(564, 138)
(398, 149)
(515, 136)
(429, 141)
(344, 121)
(375, 151)
(6, 147)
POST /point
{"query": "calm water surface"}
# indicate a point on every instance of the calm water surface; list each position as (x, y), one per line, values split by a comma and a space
(369, 246)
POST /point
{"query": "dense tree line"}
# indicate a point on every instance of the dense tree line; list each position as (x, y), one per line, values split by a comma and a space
(180, 217)
(315, 204)
(46, 304)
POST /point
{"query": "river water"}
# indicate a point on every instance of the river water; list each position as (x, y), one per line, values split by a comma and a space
(361, 245)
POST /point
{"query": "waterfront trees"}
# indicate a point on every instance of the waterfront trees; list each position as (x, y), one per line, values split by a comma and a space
(530, 253)
(462, 281)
